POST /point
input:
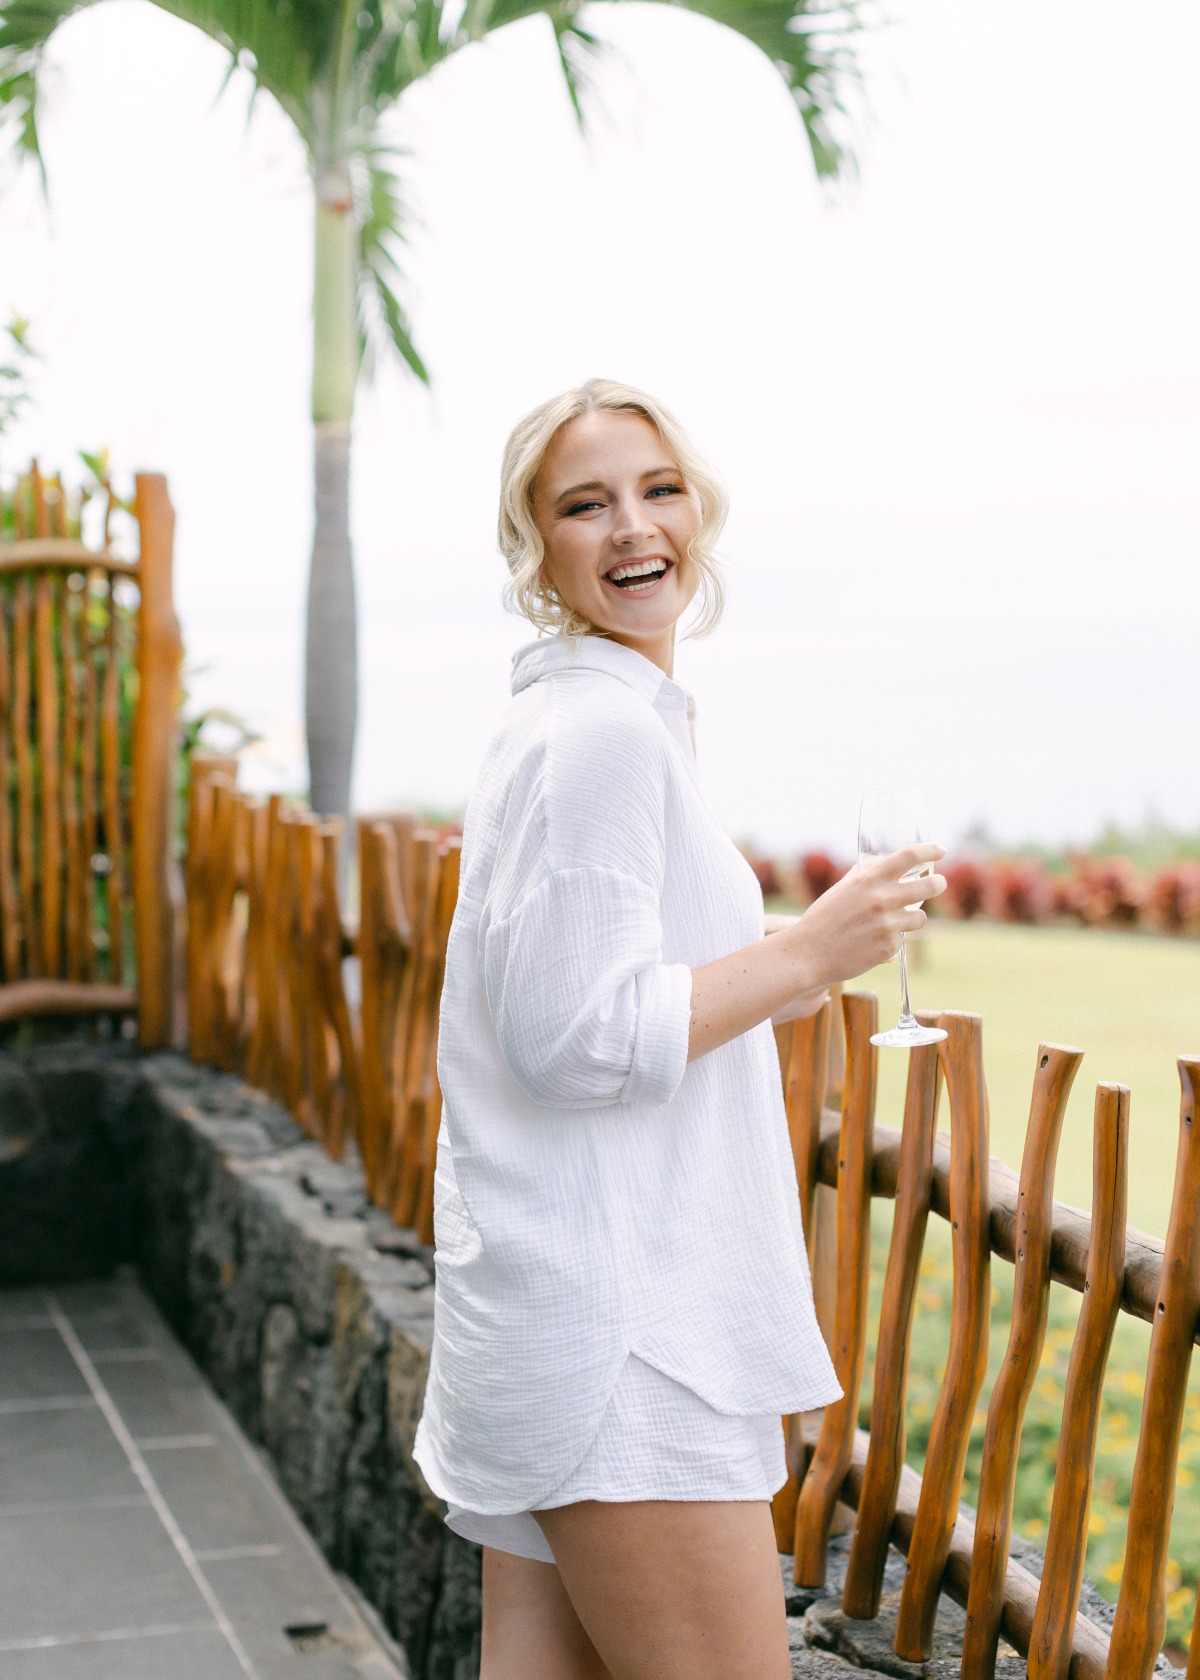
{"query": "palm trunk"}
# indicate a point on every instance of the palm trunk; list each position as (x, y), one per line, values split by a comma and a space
(331, 651)
(331, 639)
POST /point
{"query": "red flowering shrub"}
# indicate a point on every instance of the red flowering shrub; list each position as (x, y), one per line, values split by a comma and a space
(1070, 896)
(966, 884)
(1173, 899)
(818, 872)
(765, 872)
(1102, 892)
(1018, 891)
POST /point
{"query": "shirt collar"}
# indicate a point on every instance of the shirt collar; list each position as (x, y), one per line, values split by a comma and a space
(551, 654)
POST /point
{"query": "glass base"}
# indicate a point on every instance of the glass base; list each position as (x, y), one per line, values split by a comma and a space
(904, 1037)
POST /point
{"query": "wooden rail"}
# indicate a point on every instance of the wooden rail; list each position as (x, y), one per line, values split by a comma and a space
(992, 1211)
(89, 677)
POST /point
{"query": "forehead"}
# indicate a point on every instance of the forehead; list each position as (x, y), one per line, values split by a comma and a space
(600, 444)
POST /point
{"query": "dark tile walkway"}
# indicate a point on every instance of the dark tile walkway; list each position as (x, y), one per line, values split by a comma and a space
(141, 1537)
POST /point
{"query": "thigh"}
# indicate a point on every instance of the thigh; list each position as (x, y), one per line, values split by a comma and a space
(674, 1590)
(529, 1625)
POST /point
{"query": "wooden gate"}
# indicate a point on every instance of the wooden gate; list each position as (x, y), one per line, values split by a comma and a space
(89, 679)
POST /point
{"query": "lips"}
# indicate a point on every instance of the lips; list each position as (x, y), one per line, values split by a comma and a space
(638, 577)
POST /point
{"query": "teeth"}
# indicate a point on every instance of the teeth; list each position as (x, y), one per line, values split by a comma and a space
(641, 568)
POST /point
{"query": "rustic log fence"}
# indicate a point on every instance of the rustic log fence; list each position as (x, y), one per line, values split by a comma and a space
(268, 944)
(990, 1211)
(267, 973)
(89, 675)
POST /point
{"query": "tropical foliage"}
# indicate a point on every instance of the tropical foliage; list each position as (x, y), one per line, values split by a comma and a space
(336, 69)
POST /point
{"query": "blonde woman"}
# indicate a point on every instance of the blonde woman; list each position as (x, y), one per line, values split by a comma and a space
(623, 1309)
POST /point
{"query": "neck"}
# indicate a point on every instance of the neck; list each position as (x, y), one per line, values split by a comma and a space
(658, 649)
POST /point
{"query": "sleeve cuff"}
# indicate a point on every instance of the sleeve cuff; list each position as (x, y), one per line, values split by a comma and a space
(660, 1051)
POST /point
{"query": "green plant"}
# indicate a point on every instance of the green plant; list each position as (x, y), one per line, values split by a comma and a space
(14, 372)
(334, 70)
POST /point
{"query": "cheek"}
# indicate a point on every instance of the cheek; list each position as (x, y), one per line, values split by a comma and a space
(687, 523)
(570, 557)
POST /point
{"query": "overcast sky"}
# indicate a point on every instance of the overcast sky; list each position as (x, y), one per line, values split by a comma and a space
(957, 405)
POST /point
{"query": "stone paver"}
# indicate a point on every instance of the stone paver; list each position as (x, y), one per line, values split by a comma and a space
(141, 1536)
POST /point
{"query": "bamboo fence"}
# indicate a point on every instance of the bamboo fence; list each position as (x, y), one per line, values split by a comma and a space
(89, 675)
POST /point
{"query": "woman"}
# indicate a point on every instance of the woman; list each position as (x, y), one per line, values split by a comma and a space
(623, 1307)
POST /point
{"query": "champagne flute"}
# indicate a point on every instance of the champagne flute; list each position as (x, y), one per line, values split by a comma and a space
(889, 819)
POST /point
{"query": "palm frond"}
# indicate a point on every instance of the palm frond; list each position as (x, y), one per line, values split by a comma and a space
(284, 44)
(383, 221)
(579, 52)
(25, 28)
(811, 44)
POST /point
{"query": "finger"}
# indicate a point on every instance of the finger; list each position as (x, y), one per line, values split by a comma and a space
(913, 921)
(909, 857)
(914, 892)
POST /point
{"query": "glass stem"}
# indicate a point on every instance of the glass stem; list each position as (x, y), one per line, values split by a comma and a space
(906, 1014)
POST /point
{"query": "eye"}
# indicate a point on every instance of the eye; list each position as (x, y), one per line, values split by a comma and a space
(581, 507)
(666, 490)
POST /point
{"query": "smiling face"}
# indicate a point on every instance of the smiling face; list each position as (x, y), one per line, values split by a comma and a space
(616, 518)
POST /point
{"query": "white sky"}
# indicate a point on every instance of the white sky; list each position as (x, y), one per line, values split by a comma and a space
(957, 406)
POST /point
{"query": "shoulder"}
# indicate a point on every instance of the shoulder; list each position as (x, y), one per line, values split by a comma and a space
(593, 719)
(606, 768)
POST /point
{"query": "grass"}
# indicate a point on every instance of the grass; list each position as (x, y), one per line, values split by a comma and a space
(1132, 1003)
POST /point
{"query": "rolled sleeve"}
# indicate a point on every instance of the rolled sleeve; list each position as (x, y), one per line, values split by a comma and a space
(664, 1019)
(585, 1010)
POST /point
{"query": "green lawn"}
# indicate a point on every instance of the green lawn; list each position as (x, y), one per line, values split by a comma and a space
(1132, 1003)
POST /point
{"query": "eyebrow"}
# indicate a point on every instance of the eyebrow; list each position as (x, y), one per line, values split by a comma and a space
(596, 484)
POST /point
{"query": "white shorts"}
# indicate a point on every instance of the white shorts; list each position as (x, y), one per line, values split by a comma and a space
(657, 1440)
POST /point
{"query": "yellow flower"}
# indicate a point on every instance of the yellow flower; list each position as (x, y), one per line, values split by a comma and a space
(1097, 1524)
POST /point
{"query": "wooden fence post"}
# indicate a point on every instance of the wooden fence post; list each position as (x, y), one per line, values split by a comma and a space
(1141, 1603)
(835, 1445)
(205, 769)
(803, 1048)
(1056, 1070)
(1066, 1543)
(160, 651)
(885, 1459)
(966, 1363)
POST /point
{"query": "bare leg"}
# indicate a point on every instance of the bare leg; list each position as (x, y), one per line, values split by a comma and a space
(672, 1590)
(530, 1631)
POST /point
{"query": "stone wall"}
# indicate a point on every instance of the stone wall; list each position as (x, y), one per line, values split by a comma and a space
(312, 1316)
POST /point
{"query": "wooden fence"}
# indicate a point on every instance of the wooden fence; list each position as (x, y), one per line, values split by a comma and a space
(990, 1211)
(89, 676)
(267, 976)
(268, 996)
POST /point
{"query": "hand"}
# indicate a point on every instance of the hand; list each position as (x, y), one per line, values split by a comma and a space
(859, 922)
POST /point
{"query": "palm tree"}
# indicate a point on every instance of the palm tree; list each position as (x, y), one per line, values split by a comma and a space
(335, 67)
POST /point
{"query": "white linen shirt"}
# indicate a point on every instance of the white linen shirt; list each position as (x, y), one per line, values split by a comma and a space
(596, 1193)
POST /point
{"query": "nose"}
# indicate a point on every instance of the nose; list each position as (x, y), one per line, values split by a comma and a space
(632, 524)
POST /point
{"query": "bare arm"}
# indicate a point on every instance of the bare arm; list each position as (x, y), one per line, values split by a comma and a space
(849, 929)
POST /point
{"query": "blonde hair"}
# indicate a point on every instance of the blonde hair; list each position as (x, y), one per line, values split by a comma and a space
(521, 542)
